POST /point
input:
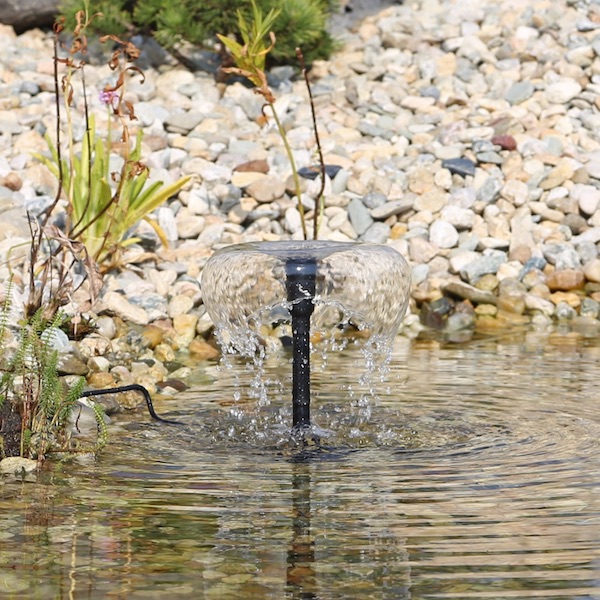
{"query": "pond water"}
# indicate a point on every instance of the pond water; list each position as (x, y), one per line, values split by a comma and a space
(476, 474)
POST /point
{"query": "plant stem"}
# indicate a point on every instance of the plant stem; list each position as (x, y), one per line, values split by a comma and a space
(319, 201)
(295, 175)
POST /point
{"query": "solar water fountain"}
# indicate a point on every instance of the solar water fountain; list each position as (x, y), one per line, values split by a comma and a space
(316, 286)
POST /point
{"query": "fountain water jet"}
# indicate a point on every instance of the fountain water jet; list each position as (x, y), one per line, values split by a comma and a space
(314, 285)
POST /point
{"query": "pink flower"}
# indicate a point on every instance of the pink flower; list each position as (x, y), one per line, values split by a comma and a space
(108, 97)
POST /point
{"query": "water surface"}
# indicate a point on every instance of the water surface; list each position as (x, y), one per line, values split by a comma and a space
(475, 475)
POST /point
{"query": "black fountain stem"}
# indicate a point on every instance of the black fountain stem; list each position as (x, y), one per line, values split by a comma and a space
(300, 285)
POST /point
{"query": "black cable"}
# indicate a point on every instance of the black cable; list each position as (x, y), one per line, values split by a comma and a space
(134, 387)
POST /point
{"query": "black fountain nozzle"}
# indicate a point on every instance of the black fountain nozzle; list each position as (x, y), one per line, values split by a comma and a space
(300, 285)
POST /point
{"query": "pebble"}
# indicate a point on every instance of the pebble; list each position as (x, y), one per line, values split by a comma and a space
(562, 91)
(459, 166)
(565, 280)
(359, 216)
(266, 189)
(113, 302)
(489, 263)
(591, 270)
(519, 91)
(443, 234)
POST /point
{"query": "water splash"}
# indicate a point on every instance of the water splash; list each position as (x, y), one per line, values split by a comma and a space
(361, 293)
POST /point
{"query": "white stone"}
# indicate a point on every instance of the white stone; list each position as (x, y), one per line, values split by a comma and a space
(591, 270)
(587, 196)
(461, 259)
(189, 225)
(292, 220)
(461, 218)
(561, 92)
(509, 270)
(515, 191)
(443, 234)
(120, 306)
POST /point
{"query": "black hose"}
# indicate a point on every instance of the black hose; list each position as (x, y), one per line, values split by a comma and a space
(134, 387)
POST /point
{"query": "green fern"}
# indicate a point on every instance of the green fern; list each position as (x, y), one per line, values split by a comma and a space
(31, 386)
(102, 428)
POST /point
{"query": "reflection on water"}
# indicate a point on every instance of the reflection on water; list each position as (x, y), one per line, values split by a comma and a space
(475, 475)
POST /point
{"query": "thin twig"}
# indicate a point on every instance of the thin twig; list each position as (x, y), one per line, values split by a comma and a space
(290, 156)
(319, 201)
(88, 135)
(48, 211)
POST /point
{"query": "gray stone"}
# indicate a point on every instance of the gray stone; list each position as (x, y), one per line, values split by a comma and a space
(293, 220)
(183, 122)
(27, 14)
(377, 233)
(591, 235)
(72, 363)
(589, 308)
(374, 200)
(149, 112)
(562, 256)
(490, 190)
(587, 251)
(490, 157)
(371, 130)
(488, 263)
(459, 166)
(30, 87)
(395, 207)
(564, 312)
(167, 222)
(465, 291)
(459, 321)
(587, 196)
(359, 216)
(519, 92)
(419, 273)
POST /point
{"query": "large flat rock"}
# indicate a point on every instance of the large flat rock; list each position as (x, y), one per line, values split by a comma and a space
(26, 14)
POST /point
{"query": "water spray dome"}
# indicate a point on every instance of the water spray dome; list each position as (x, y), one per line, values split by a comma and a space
(312, 284)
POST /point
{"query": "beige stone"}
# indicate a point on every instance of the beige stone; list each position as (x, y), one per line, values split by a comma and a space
(202, 350)
(565, 280)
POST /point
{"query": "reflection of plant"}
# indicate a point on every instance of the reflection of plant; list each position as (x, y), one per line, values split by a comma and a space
(102, 205)
(250, 59)
(34, 407)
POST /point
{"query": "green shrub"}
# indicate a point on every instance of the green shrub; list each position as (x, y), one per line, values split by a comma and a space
(300, 23)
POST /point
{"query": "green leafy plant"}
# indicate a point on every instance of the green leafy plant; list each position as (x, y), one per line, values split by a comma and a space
(104, 216)
(35, 406)
(102, 205)
(300, 23)
(250, 59)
